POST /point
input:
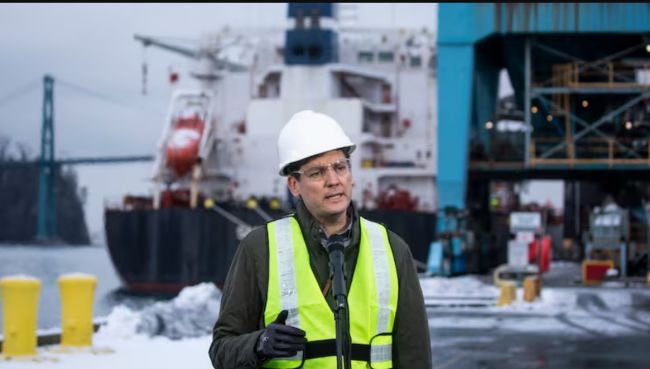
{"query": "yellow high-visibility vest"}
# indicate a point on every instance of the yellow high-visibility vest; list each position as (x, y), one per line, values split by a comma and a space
(372, 299)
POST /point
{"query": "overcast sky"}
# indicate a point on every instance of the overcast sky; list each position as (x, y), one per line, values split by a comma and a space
(92, 46)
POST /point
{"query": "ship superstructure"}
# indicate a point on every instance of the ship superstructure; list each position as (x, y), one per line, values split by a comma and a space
(220, 136)
(219, 142)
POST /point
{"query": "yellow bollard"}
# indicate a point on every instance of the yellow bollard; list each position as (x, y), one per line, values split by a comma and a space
(530, 289)
(508, 293)
(77, 297)
(19, 313)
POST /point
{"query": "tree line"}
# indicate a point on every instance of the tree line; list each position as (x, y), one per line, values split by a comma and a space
(19, 188)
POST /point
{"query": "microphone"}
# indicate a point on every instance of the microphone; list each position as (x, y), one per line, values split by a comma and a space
(335, 248)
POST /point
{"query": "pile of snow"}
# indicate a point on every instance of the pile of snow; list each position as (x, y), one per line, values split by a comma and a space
(458, 287)
(191, 314)
(468, 293)
(78, 275)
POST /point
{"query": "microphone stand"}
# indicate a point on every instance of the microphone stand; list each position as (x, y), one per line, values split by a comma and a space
(339, 292)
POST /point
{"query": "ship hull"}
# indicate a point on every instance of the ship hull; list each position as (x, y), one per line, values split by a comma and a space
(165, 250)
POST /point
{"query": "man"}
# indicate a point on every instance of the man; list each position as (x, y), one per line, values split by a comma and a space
(277, 304)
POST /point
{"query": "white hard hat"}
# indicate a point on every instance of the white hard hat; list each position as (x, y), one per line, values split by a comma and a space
(307, 134)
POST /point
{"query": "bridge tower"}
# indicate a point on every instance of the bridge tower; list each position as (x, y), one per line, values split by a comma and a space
(47, 229)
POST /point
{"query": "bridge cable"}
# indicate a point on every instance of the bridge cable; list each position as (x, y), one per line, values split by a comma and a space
(106, 98)
(103, 97)
(19, 92)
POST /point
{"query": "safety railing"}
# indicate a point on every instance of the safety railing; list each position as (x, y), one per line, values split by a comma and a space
(595, 74)
(591, 151)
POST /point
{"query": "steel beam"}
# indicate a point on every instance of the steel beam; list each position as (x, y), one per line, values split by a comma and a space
(527, 100)
(593, 64)
(487, 167)
(588, 90)
(456, 79)
(147, 41)
(584, 124)
(599, 122)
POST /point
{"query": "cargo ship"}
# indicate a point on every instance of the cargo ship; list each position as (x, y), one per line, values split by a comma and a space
(215, 174)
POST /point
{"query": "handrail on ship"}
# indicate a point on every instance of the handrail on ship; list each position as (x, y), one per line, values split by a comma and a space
(228, 215)
(263, 214)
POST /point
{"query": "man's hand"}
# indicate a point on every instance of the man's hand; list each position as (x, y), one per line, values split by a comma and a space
(280, 340)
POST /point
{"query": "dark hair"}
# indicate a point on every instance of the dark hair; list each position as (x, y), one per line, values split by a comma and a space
(296, 166)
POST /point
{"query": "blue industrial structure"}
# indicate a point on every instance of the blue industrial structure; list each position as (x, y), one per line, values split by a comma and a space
(577, 72)
(311, 43)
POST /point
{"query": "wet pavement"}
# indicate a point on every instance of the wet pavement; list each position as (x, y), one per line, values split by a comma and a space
(571, 326)
(597, 333)
(485, 350)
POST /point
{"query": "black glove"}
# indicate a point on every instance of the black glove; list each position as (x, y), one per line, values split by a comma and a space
(280, 340)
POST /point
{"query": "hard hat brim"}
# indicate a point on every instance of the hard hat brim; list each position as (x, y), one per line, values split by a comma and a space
(348, 149)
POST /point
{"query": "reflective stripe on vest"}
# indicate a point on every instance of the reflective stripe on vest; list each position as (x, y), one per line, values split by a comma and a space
(372, 298)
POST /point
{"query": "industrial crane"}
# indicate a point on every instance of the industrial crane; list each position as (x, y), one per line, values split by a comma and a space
(188, 137)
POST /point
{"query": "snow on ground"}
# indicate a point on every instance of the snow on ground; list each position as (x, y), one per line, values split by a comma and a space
(530, 325)
(136, 352)
(459, 287)
(174, 334)
(553, 301)
(177, 334)
(608, 312)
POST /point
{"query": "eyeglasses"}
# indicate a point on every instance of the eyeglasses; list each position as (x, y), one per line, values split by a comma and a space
(317, 173)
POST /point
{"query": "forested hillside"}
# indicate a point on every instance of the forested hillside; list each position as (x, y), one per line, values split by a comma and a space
(19, 199)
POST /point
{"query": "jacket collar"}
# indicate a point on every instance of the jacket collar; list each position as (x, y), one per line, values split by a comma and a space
(311, 227)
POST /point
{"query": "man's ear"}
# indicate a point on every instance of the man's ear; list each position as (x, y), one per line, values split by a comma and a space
(292, 182)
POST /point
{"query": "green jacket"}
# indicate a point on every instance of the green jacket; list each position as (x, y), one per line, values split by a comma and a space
(241, 319)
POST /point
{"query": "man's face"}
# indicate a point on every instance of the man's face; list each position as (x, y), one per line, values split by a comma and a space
(326, 194)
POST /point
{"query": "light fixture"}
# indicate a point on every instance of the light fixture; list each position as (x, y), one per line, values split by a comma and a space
(647, 48)
(585, 103)
(489, 125)
(549, 118)
(534, 109)
(628, 125)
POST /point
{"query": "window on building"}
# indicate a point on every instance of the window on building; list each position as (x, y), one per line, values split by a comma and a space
(416, 61)
(366, 57)
(386, 57)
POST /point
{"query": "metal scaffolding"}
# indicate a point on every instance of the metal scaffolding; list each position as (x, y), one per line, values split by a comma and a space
(584, 144)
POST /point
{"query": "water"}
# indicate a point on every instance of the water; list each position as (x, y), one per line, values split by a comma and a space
(47, 263)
